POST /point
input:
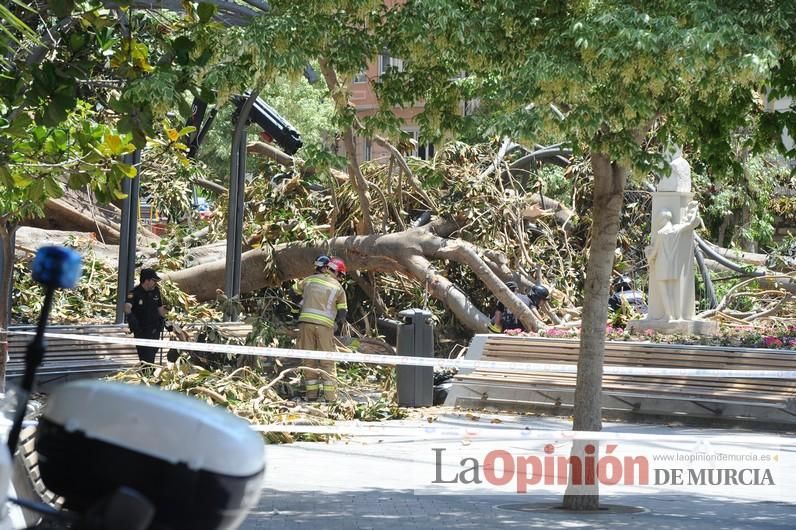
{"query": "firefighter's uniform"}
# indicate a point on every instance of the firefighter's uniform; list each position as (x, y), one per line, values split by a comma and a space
(322, 298)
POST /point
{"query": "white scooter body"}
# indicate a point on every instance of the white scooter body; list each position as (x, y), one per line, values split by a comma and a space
(200, 466)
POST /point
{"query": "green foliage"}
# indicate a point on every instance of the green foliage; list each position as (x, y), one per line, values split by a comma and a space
(38, 162)
(613, 68)
(742, 206)
(783, 255)
(93, 299)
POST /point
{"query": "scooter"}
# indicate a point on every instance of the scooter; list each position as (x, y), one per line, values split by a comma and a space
(127, 457)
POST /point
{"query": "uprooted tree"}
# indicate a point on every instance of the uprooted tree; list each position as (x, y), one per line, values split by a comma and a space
(618, 82)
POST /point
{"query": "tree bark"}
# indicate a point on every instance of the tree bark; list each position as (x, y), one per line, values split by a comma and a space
(61, 215)
(609, 184)
(748, 258)
(409, 252)
(7, 229)
(284, 159)
(211, 186)
(343, 105)
(410, 177)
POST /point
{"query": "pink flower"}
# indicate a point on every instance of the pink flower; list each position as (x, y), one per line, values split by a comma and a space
(649, 332)
(770, 341)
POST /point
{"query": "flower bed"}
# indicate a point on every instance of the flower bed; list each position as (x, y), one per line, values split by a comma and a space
(781, 337)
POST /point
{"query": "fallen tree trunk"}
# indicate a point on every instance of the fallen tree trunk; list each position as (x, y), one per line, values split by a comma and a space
(62, 215)
(409, 252)
(746, 258)
(769, 280)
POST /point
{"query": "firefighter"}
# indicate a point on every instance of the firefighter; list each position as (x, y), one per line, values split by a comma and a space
(323, 305)
(338, 267)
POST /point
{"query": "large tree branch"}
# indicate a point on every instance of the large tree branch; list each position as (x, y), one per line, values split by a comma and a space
(466, 253)
(410, 176)
(343, 106)
(409, 253)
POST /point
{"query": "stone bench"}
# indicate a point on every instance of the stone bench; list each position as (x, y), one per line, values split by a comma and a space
(757, 400)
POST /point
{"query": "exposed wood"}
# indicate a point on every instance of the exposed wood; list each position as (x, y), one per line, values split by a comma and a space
(410, 252)
(62, 215)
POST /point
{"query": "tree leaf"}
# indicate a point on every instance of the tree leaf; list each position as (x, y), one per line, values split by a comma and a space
(186, 130)
(53, 188)
(206, 12)
(127, 169)
(21, 180)
(114, 143)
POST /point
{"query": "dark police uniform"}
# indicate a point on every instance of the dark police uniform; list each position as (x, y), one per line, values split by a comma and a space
(508, 319)
(633, 297)
(146, 322)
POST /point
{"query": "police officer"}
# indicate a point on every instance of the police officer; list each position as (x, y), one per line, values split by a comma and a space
(539, 293)
(503, 317)
(623, 291)
(145, 313)
(323, 305)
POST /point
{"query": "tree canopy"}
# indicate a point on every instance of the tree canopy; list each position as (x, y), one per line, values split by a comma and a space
(619, 83)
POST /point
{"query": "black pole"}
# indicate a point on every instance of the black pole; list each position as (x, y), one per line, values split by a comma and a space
(710, 291)
(124, 234)
(239, 218)
(132, 242)
(236, 201)
(715, 256)
(33, 358)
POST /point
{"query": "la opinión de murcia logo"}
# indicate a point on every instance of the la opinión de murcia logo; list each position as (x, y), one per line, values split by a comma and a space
(501, 467)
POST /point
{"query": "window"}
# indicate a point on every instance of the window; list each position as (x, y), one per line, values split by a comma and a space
(368, 149)
(386, 63)
(425, 151)
(361, 77)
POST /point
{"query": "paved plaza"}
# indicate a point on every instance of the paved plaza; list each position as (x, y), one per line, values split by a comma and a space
(372, 482)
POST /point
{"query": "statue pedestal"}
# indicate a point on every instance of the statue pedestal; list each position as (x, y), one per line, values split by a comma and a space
(681, 327)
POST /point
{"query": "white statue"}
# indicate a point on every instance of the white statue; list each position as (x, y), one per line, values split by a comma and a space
(679, 177)
(670, 262)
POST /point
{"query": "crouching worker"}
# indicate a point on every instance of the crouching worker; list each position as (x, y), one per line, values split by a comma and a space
(323, 304)
(503, 318)
(145, 313)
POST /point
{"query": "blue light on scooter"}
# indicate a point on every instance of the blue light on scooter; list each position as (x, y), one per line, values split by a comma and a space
(57, 267)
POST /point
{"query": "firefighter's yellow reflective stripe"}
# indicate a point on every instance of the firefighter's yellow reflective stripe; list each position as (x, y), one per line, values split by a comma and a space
(309, 316)
(318, 312)
(342, 306)
(329, 387)
(313, 279)
(298, 287)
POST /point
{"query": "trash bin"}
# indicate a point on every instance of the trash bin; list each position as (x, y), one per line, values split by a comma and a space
(416, 339)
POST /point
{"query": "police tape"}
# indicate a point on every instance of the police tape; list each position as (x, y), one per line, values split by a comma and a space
(403, 360)
(491, 432)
